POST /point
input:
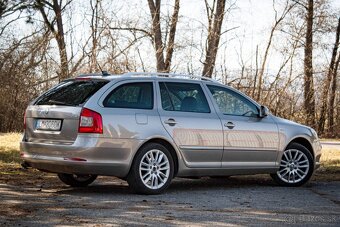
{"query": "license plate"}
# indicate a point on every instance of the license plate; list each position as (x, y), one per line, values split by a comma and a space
(48, 124)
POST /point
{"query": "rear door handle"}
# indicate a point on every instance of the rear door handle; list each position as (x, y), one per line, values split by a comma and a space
(170, 122)
(229, 125)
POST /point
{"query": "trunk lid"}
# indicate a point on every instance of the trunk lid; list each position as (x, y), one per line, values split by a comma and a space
(54, 116)
(68, 116)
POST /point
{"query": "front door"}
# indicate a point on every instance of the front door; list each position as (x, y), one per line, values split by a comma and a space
(190, 119)
(249, 141)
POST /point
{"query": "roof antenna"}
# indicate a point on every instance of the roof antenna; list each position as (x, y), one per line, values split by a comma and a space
(104, 73)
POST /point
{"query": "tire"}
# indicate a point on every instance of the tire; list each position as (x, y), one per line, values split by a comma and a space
(149, 175)
(77, 180)
(296, 166)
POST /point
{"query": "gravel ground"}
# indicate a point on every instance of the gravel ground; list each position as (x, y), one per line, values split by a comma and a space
(250, 200)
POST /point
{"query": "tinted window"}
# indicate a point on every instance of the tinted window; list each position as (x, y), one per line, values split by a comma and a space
(131, 95)
(71, 92)
(184, 97)
(232, 103)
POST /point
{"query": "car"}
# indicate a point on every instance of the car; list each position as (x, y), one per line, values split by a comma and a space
(148, 128)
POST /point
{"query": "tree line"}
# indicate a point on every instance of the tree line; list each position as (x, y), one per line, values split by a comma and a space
(43, 42)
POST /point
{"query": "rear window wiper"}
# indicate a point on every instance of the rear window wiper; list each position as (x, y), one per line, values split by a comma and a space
(51, 101)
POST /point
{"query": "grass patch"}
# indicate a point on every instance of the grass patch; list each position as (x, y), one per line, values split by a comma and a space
(9, 156)
(329, 165)
(330, 139)
(330, 158)
(9, 147)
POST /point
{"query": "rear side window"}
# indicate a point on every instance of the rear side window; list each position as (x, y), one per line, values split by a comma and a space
(71, 92)
(184, 97)
(131, 95)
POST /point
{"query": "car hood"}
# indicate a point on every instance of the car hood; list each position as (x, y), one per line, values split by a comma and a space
(283, 121)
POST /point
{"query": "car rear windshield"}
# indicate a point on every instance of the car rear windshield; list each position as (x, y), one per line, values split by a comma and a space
(71, 92)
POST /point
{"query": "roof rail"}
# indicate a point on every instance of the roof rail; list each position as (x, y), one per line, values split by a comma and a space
(159, 74)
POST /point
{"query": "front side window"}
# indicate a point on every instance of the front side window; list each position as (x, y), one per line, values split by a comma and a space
(231, 103)
(185, 97)
(131, 95)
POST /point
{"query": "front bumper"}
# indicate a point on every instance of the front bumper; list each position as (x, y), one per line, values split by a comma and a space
(317, 152)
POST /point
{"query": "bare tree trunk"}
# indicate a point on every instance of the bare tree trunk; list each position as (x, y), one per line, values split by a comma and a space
(256, 70)
(172, 33)
(332, 105)
(155, 8)
(309, 99)
(94, 35)
(60, 36)
(214, 35)
(330, 75)
(260, 74)
(336, 125)
(58, 33)
(278, 20)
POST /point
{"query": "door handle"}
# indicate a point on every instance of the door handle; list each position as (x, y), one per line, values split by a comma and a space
(229, 125)
(170, 122)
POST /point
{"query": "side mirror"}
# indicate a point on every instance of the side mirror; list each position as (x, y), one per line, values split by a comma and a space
(264, 111)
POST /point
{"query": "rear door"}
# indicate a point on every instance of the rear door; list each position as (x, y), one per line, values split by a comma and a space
(128, 111)
(54, 116)
(191, 121)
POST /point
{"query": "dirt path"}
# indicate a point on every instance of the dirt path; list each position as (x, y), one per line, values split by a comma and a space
(40, 199)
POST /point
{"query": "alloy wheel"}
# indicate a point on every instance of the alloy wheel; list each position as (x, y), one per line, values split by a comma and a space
(294, 166)
(154, 169)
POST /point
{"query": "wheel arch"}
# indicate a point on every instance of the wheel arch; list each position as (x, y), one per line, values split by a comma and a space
(304, 142)
(168, 145)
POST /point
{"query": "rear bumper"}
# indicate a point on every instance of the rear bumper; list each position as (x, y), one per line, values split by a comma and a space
(87, 155)
(54, 165)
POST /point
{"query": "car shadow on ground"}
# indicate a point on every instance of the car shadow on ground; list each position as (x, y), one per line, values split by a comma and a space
(109, 185)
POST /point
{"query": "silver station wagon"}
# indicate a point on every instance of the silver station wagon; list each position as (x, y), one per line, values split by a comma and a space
(148, 128)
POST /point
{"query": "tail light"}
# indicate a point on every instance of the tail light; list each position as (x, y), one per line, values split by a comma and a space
(90, 122)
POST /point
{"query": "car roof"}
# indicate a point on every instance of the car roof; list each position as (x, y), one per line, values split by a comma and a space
(143, 75)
